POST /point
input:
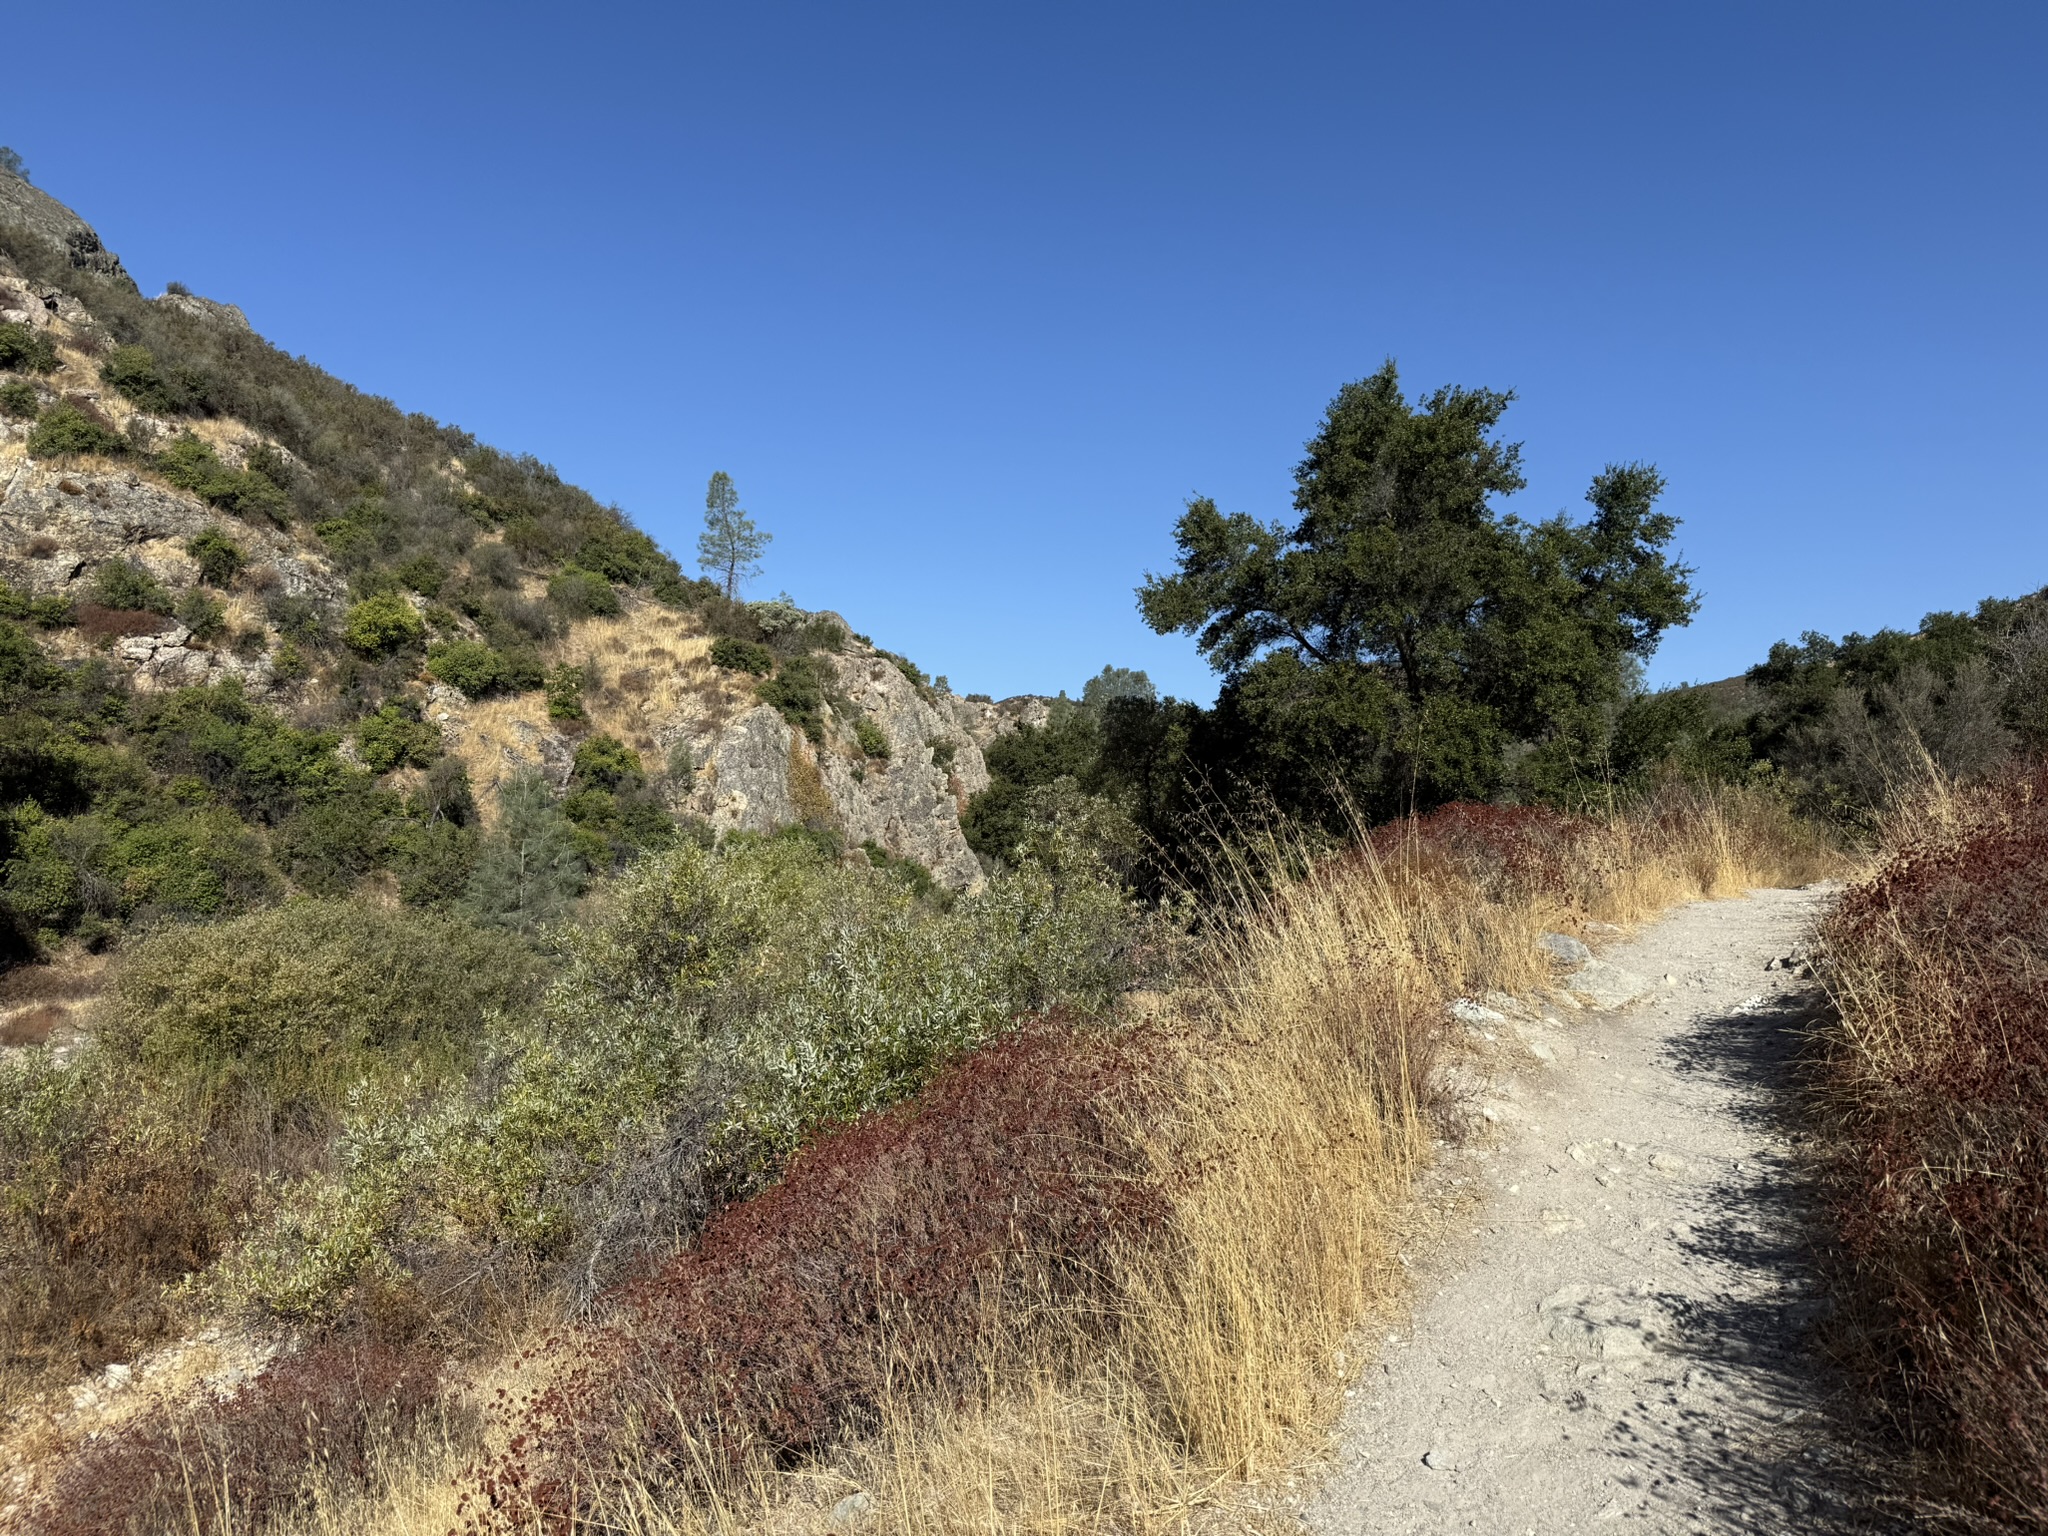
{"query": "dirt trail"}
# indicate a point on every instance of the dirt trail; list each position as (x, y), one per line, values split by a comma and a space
(1626, 1336)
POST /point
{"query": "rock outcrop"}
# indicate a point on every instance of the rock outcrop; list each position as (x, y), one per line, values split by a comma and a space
(41, 214)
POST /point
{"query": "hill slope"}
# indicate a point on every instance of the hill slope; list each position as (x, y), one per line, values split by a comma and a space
(188, 507)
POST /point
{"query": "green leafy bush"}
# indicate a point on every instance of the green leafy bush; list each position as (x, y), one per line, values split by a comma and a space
(379, 625)
(301, 1003)
(202, 613)
(51, 612)
(565, 687)
(134, 373)
(25, 350)
(127, 586)
(396, 737)
(220, 557)
(18, 400)
(424, 575)
(737, 655)
(65, 429)
(475, 669)
(870, 737)
(582, 594)
(798, 691)
(191, 464)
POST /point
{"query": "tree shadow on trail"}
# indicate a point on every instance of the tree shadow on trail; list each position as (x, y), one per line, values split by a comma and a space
(1769, 1436)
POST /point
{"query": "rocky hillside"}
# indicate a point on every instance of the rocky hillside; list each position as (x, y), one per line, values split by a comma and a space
(186, 503)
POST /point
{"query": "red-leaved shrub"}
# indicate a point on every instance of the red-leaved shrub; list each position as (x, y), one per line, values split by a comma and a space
(891, 1248)
(1938, 1074)
(231, 1462)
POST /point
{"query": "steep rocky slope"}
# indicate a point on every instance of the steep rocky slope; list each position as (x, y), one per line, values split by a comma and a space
(887, 759)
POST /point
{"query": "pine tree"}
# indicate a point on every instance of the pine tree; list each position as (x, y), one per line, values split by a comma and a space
(730, 546)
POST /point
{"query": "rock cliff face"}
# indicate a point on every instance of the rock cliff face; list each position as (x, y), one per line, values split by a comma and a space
(703, 733)
(36, 210)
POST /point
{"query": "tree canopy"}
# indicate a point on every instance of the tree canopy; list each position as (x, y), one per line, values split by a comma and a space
(730, 546)
(1404, 640)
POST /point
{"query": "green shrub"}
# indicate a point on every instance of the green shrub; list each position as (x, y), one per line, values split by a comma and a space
(607, 761)
(917, 679)
(798, 691)
(300, 1003)
(382, 624)
(52, 612)
(19, 401)
(737, 655)
(65, 429)
(220, 557)
(191, 464)
(582, 594)
(133, 372)
(870, 737)
(202, 613)
(476, 670)
(424, 575)
(25, 350)
(943, 751)
(396, 737)
(565, 687)
(127, 586)
(329, 845)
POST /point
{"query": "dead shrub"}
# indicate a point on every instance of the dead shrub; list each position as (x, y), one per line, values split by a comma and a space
(231, 1464)
(890, 1253)
(100, 623)
(1934, 1078)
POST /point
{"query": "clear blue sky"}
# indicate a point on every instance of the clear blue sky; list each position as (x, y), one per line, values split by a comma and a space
(968, 299)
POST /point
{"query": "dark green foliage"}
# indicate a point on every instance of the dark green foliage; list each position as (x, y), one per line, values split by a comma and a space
(11, 163)
(737, 655)
(382, 624)
(870, 737)
(333, 842)
(127, 586)
(1852, 723)
(134, 373)
(251, 757)
(532, 866)
(475, 669)
(424, 575)
(220, 557)
(25, 350)
(50, 612)
(914, 876)
(615, 812)
(581, 594)
(396, 737)
(191, 464)
(65, 429)
(203, 614)
(798, 690)
(565, 687)
(1387, 650)
(18, 400)
(910, 670)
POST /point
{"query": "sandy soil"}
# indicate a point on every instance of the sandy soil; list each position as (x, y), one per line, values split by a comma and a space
(1623, 1333)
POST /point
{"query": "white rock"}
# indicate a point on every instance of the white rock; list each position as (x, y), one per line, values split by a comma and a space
(1564, 947)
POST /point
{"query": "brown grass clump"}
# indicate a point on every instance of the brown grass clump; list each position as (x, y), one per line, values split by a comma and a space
(1935, 1079)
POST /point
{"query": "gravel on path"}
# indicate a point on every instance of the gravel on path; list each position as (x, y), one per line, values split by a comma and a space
(1622, 1333)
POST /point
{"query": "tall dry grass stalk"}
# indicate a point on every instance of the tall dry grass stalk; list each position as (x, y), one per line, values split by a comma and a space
(1296, 1070)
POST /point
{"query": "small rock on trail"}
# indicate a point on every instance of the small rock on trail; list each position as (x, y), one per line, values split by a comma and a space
(1628, 1339)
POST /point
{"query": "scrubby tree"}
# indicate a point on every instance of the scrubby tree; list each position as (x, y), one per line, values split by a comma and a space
(10, 162)
(730, 546)
(532, 867)
(1394, 646)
